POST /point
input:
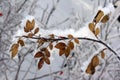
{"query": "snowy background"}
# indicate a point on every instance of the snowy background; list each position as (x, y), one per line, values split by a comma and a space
(59, 17)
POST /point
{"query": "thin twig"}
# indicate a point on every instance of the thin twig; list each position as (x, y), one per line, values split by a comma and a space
(80, 38)
(44, 75)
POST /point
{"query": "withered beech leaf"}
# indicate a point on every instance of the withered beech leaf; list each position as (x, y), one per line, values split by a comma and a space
(90, 69)
(71, 44)
(33, 24)
(14, 49)
(97, 31)
(70, 36)
(51, 46)
(67, 51)
(91, 26)
(102, 54)
(29, 25)
(76, 40)
(98, 16)
(61, 52)
(60, 45)
(41, 41)
(47, 53)
(105, 19)
(47, 60)
(40, 63)
(30, 35)
(36, 30)
(95, 61)
(38, 54)
(21, 42)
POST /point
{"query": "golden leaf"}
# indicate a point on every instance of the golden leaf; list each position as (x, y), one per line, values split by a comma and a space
(90, 69)
(102, 54)
(60, 45)
(14, 49)
(98, 16)
(21, 42)
(40, 63)
(47, 53)
(105, 19)
(70, 36)
(61, 52)
(76, 40)
(67, 51)
(46, 59)
(29, 25)
(30, 35)
(95, 61)
(36, 30)
(71, 45)
(38, 54)
(97, 31)
(51, 46)
(91, 26)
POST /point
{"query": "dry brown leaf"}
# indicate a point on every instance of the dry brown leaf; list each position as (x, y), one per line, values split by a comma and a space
(76, 40)
(102, 54)
(60, 45)
(40, 63)
(105, 19)
(51, 46)
(90, 69)
(61, 52)
(21, 42)
(30, 35)
(14, 49)
(43, 49)
(46, 59)
(70, 36)
(41, 41)
(36, 30)
(38, 54)
(47, 53)
(67, 51)
(98, 16)
(95, 61)
(71, 44)
(97, 31)
(92, 26)
(29, 25)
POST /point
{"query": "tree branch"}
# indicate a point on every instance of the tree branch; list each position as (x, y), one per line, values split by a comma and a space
(80, 38)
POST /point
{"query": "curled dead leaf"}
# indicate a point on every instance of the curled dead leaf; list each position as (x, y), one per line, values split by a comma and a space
(95, 61)
(91, 26)
(61, 52)
(52, 36)
(98, 16)
(47, 53)
(14, 49)
(47, 60)
(51, 46)
(102, 54)
(76, 40)
(29, 26)
(105, 19)
(40, 63)
(60, 45)
(21, 42)
(71, 44)
(70, 36)
(30, 35)
(36, 30)
(38, 54)
(97, 31)
(90, 69)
